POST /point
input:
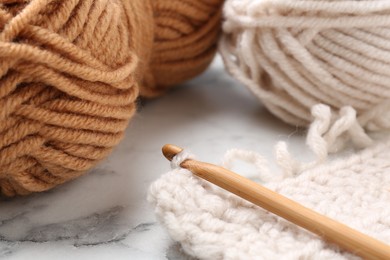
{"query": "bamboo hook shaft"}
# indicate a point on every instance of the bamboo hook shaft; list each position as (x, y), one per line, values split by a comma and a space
(329, 229)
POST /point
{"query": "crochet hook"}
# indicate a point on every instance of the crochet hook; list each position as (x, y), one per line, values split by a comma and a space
(331, 230)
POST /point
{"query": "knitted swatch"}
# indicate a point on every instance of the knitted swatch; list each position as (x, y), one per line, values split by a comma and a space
(213, 224)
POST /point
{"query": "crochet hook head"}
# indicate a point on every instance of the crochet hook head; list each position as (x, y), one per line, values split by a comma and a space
(170, 151)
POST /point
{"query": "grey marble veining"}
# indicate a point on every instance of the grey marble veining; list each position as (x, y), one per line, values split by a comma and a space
(104, 214)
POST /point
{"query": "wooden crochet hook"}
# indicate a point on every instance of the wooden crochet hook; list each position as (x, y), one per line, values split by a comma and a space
(329, 229)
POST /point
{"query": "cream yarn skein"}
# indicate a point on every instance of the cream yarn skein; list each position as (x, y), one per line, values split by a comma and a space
(294, 54)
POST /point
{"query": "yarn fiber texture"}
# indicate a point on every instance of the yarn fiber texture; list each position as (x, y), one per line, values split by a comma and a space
(70, 72)
(185, 42)
(293, 54)
(211, 223)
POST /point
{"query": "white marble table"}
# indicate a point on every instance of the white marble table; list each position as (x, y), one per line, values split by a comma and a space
(104, 215)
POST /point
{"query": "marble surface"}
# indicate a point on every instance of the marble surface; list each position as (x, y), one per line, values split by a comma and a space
(104, 214)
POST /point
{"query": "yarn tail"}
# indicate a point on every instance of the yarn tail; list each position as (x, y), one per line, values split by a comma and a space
(328, 133)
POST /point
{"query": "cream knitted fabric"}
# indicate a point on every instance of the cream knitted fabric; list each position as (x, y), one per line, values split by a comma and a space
(211, 223)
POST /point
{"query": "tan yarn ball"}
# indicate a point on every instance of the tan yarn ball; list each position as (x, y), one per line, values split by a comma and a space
(295, 54)
(70, 73)
(185, 42)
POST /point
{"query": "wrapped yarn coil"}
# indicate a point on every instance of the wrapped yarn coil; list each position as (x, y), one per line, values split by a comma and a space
(294, 54)
(71, 71)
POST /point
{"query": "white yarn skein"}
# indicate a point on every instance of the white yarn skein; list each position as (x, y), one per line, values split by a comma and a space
(293, 54)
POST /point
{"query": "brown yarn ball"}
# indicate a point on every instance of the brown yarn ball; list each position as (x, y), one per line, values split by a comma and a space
(185, 42)
(69, 76)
